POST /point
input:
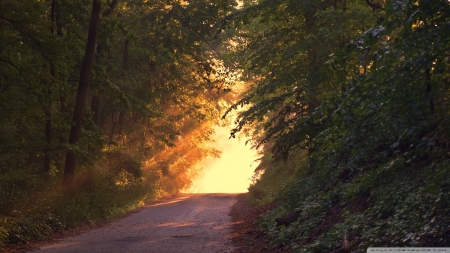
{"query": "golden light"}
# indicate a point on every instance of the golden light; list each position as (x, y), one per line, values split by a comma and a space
(232, 172)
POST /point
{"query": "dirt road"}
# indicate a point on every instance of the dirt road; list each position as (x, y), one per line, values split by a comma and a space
(190, 223)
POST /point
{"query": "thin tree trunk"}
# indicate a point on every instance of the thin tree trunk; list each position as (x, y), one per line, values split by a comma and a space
(430, 99)
(83, 86)
(48, 109)
(64, 111)
(96, 98)
(48, 124)
(62, 98)
(112, 127)
(1, 49)
(126, 55)
(120, 127)
(48, 140)
(95, 107)
(125, 67)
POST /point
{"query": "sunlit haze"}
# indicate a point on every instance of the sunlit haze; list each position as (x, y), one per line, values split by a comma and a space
(232, 172)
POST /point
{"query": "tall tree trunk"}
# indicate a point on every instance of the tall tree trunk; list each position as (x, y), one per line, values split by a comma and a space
(125, 67)
(63, 108)
(96, 98)
(62, 98)
(48, 124)
(1, 50)
(313, 78)
(83, 86)
(48, 109)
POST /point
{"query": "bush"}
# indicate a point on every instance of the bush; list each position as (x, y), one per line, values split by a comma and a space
(3, 235)
(34, 206)
(404, 206)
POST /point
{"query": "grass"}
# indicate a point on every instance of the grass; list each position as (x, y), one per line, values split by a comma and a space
(33, 206)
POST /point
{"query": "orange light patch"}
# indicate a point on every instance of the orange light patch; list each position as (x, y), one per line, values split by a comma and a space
(232, 172)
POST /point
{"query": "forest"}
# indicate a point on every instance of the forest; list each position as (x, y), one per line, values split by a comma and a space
(106, 105)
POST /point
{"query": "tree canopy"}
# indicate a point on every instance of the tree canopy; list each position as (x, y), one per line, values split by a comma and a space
(119, 95)
(149, 74)
(362, 86)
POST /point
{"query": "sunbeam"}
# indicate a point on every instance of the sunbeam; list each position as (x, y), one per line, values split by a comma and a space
(232, 172)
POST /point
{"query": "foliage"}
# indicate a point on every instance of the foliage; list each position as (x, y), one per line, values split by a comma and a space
(398, 211)
(370, 106)
(353, 92)
(155, 91)
(98, 195)
(271, 178)
(151, 80)
(289, 81)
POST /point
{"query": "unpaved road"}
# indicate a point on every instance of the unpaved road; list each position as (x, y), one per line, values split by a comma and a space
(189, 223)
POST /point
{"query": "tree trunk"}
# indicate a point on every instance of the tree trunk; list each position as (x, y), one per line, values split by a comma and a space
(313, 78)
(125, 67)
(83, 86)
(126, 55)
(429, 95)
(48, 109)
(48, 124)
(120, 127)
(95, 107)
(96, 98)
(430, 99)
(112, 127)
(1, 50)
(48, 139)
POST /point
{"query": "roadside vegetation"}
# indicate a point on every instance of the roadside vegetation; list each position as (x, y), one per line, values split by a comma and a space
(351, 104)
(104, 105)
(107, 104)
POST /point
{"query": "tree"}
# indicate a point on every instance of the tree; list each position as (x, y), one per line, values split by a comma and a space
(82, 90)
(286, 59)
(388, 111)
(155, 64)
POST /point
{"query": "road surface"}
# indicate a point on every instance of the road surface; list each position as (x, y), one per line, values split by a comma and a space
(189, 223)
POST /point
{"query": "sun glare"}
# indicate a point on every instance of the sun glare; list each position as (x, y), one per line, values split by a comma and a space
(232, 172)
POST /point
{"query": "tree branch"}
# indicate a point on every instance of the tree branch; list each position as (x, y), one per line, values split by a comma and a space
(110, 10)
(375, 6)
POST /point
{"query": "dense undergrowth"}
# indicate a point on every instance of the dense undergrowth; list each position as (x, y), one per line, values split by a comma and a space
(390, 206)
(104, 105)
(360, 89)
(33, 206)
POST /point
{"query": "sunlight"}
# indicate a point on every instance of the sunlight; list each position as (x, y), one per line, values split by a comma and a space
(232, 172)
